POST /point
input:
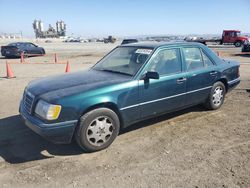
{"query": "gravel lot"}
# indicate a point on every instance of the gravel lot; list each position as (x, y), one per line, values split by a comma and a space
(190, 148)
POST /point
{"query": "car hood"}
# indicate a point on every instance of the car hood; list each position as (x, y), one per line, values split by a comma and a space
(73, 83)
(243, 38)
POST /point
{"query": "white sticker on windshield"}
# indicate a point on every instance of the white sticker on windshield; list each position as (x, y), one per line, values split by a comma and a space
(143, 51)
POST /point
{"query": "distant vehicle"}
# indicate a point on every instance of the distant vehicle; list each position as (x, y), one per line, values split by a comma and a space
(128, 41)
(15, 49)
(228, 37)
(76, 40)
(48, 41)
(246, 47)
(110, 39)
(67, 40)
(100, 40)
(132, 83)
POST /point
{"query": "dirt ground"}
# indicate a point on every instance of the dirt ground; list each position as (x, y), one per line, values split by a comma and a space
(190, 148)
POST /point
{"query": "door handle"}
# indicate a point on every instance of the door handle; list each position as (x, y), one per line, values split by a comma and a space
(181, 80)
(213, 73)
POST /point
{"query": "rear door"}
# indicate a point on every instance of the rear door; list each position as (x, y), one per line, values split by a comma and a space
(201, 74)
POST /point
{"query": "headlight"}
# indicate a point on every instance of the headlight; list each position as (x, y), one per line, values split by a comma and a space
(47, 111)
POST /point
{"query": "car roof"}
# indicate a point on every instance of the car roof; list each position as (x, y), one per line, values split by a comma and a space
(155, 45)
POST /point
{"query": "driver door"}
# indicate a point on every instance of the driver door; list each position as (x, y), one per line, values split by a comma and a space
(167, 93)
(31, 48)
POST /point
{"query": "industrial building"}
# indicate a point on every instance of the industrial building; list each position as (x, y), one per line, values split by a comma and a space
(40, 32)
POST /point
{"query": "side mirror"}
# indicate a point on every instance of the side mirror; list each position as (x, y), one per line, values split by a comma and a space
(150, 75)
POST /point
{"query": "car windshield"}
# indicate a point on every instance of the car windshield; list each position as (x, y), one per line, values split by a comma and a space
(16, 44)
(124, 60)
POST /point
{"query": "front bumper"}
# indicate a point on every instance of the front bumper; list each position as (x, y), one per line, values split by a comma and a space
(59, 133)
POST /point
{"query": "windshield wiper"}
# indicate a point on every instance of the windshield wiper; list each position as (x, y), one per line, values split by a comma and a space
(108, 70)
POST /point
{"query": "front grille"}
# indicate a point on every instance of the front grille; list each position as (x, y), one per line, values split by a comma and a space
(28, 100)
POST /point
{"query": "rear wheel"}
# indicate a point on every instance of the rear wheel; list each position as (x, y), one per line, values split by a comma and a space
(216, 97)
(25, 54)
(97, 129)
(238, 44)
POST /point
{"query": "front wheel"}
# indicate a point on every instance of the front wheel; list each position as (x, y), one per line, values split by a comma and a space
(97, 129)
(42, 52)
(216, 96)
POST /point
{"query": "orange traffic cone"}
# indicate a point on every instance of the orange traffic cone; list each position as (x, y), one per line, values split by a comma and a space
(67, 67)
(10, 73)
(22, 58)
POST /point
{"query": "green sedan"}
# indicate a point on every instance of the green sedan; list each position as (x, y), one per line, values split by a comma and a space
(132, 83)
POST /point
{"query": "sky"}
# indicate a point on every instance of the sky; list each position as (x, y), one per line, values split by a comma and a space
(96, 18)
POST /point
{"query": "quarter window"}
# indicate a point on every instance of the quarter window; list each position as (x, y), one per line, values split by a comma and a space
(166, 61)
(193, 58)
(207, 61)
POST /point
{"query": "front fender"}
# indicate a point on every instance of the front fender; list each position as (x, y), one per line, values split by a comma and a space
(115, 96)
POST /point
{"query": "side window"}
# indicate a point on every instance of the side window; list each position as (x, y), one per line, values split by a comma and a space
(207, 61)
(166, 61)
(30, 45)
(193, 58)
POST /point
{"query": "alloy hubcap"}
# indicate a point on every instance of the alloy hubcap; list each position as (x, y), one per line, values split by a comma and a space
(218, 96)
(100, 130)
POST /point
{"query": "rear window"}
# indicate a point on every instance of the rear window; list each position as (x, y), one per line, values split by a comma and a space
(15, 44)
(12, 44)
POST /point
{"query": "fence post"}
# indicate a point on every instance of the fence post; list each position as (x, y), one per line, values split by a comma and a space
(56, 60)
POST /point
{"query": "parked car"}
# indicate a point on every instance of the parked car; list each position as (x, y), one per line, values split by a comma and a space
(15, 49)
(246, 47)
(48, 41)
(128, 41)
(76, 40)
(133, 82)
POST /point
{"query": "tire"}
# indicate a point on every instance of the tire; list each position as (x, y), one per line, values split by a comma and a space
(97, 129)
(43, 52)
(25, 54)
(216, 96)
(238, 44)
